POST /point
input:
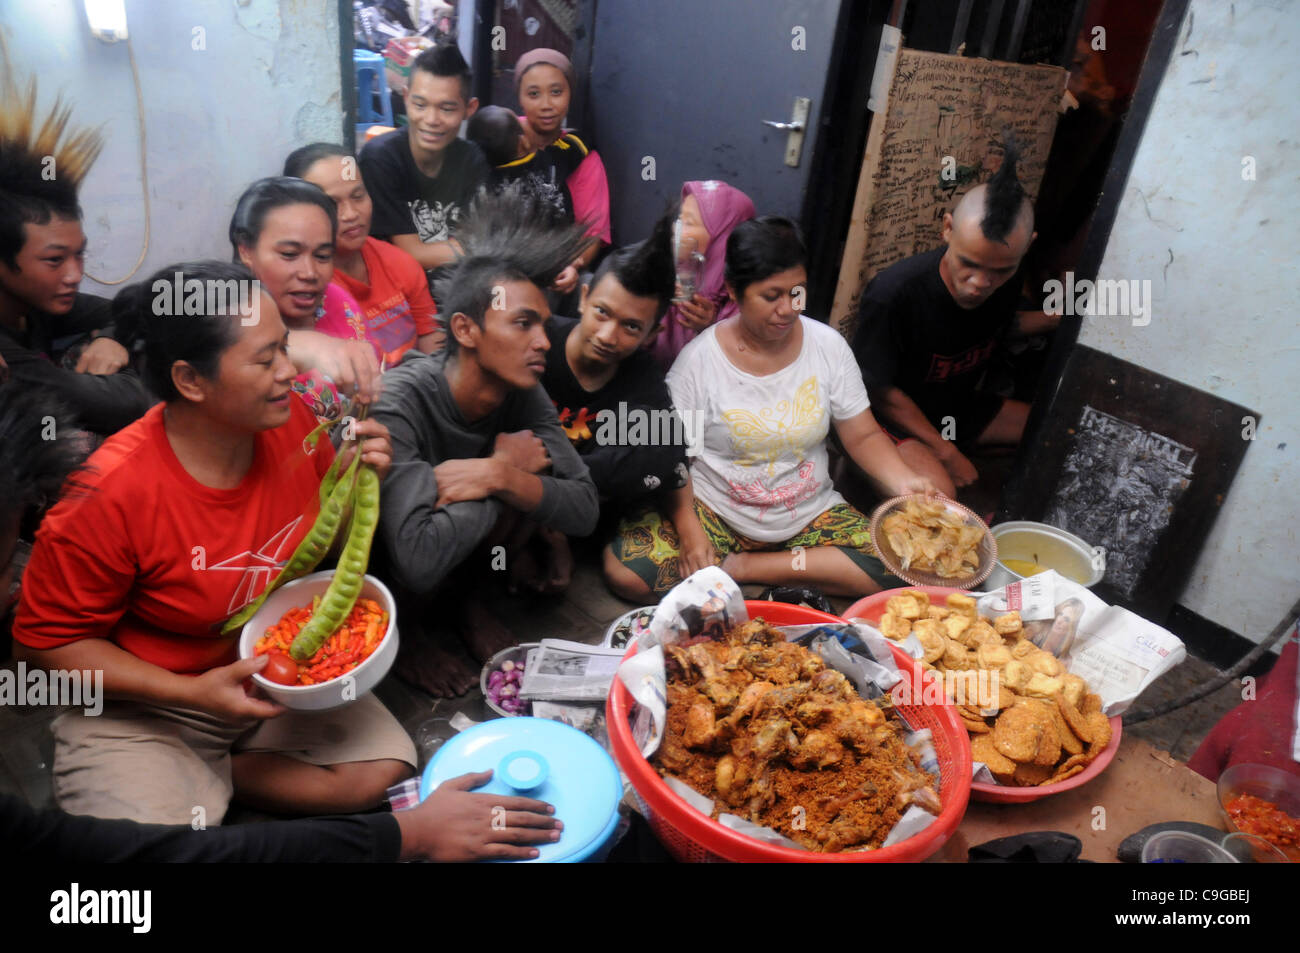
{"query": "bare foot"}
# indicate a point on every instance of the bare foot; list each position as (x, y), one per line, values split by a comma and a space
(432, 667)
(560, 562)
(483, 634)
(524, 573)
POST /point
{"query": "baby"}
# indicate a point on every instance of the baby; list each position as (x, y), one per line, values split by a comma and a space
(496, 130)
(544, 172)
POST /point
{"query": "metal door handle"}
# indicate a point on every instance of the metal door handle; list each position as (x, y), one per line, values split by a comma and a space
(794, 129)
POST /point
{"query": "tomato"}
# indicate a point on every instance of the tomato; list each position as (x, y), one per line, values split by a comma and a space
(281, 669)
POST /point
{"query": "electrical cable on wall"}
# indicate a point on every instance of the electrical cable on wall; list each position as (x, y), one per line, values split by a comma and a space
(144, 174)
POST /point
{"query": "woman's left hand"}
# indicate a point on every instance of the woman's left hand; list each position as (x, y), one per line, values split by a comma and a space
(567, 280)
(376, 449)
(696, 314)
(349, 364)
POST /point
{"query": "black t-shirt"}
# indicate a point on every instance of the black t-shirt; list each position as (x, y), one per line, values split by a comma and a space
(545, 172)
(620, 468)
(45, 356)
(406, 201)
(912, 335)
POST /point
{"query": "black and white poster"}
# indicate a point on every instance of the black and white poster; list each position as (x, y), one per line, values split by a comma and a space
(1119, 487)
(1137, 465)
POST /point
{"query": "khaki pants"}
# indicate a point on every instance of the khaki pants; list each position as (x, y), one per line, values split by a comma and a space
(172, 766)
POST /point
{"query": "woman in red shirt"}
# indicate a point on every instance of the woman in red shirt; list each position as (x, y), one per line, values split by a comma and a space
(189, 514)
(389, 284)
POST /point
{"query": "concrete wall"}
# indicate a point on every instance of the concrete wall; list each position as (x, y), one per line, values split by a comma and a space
(1220, 252)
(216, 118)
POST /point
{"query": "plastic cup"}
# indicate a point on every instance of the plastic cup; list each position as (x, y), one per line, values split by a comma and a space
(1179, 847)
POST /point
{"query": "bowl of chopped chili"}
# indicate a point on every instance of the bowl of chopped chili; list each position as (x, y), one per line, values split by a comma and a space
(354, 659)
(1265, 801)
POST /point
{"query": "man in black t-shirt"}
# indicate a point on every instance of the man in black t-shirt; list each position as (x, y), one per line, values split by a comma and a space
(423, 178)
(929, 325)
(634, 388)
(609, 393)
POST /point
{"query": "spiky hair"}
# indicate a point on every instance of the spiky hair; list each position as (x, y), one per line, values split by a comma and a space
(645, 269)
(1005, 195)
(29, 193)
(514, 225)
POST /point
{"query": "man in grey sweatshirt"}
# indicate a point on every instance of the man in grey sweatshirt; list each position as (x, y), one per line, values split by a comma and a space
(476, 446)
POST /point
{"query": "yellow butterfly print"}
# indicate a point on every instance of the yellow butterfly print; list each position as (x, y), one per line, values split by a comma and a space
(790, 426)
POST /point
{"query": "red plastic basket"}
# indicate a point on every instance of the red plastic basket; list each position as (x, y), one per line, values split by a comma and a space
(692, 837)
(873, 607)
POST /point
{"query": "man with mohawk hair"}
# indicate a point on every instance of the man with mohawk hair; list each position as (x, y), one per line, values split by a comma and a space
(929, 325)
(51, 337)
(476, 441)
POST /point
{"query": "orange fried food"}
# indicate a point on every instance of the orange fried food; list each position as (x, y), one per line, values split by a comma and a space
(762, 727)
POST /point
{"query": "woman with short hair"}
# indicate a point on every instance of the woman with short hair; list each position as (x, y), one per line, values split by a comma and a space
(767, 384)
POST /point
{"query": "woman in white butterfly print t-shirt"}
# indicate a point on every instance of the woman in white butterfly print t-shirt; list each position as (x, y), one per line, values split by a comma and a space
(768, 384)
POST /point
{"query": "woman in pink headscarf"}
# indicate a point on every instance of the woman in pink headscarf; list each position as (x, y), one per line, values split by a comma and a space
(710, 210)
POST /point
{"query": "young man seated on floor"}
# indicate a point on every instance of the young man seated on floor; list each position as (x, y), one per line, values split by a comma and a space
(929, 325)
(423, 177)
(610, 394)
(477, 446)
(51, 337)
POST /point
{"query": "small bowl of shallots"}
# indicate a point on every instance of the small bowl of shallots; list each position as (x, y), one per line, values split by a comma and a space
(503, 676)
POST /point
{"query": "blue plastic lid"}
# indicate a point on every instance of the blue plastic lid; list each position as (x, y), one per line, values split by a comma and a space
(546, 760)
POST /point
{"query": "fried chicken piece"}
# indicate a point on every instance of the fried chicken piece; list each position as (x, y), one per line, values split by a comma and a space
(774, 738)
(731, 778)
(780, 699)
(818, 749)
(762, 727)
(718, 684)
(781, 663)
(756, 631)
(834, 683)
(749, 699)
(701, 730)
(818, 709)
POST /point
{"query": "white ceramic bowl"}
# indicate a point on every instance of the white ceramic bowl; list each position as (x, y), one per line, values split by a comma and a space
(337, 692)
